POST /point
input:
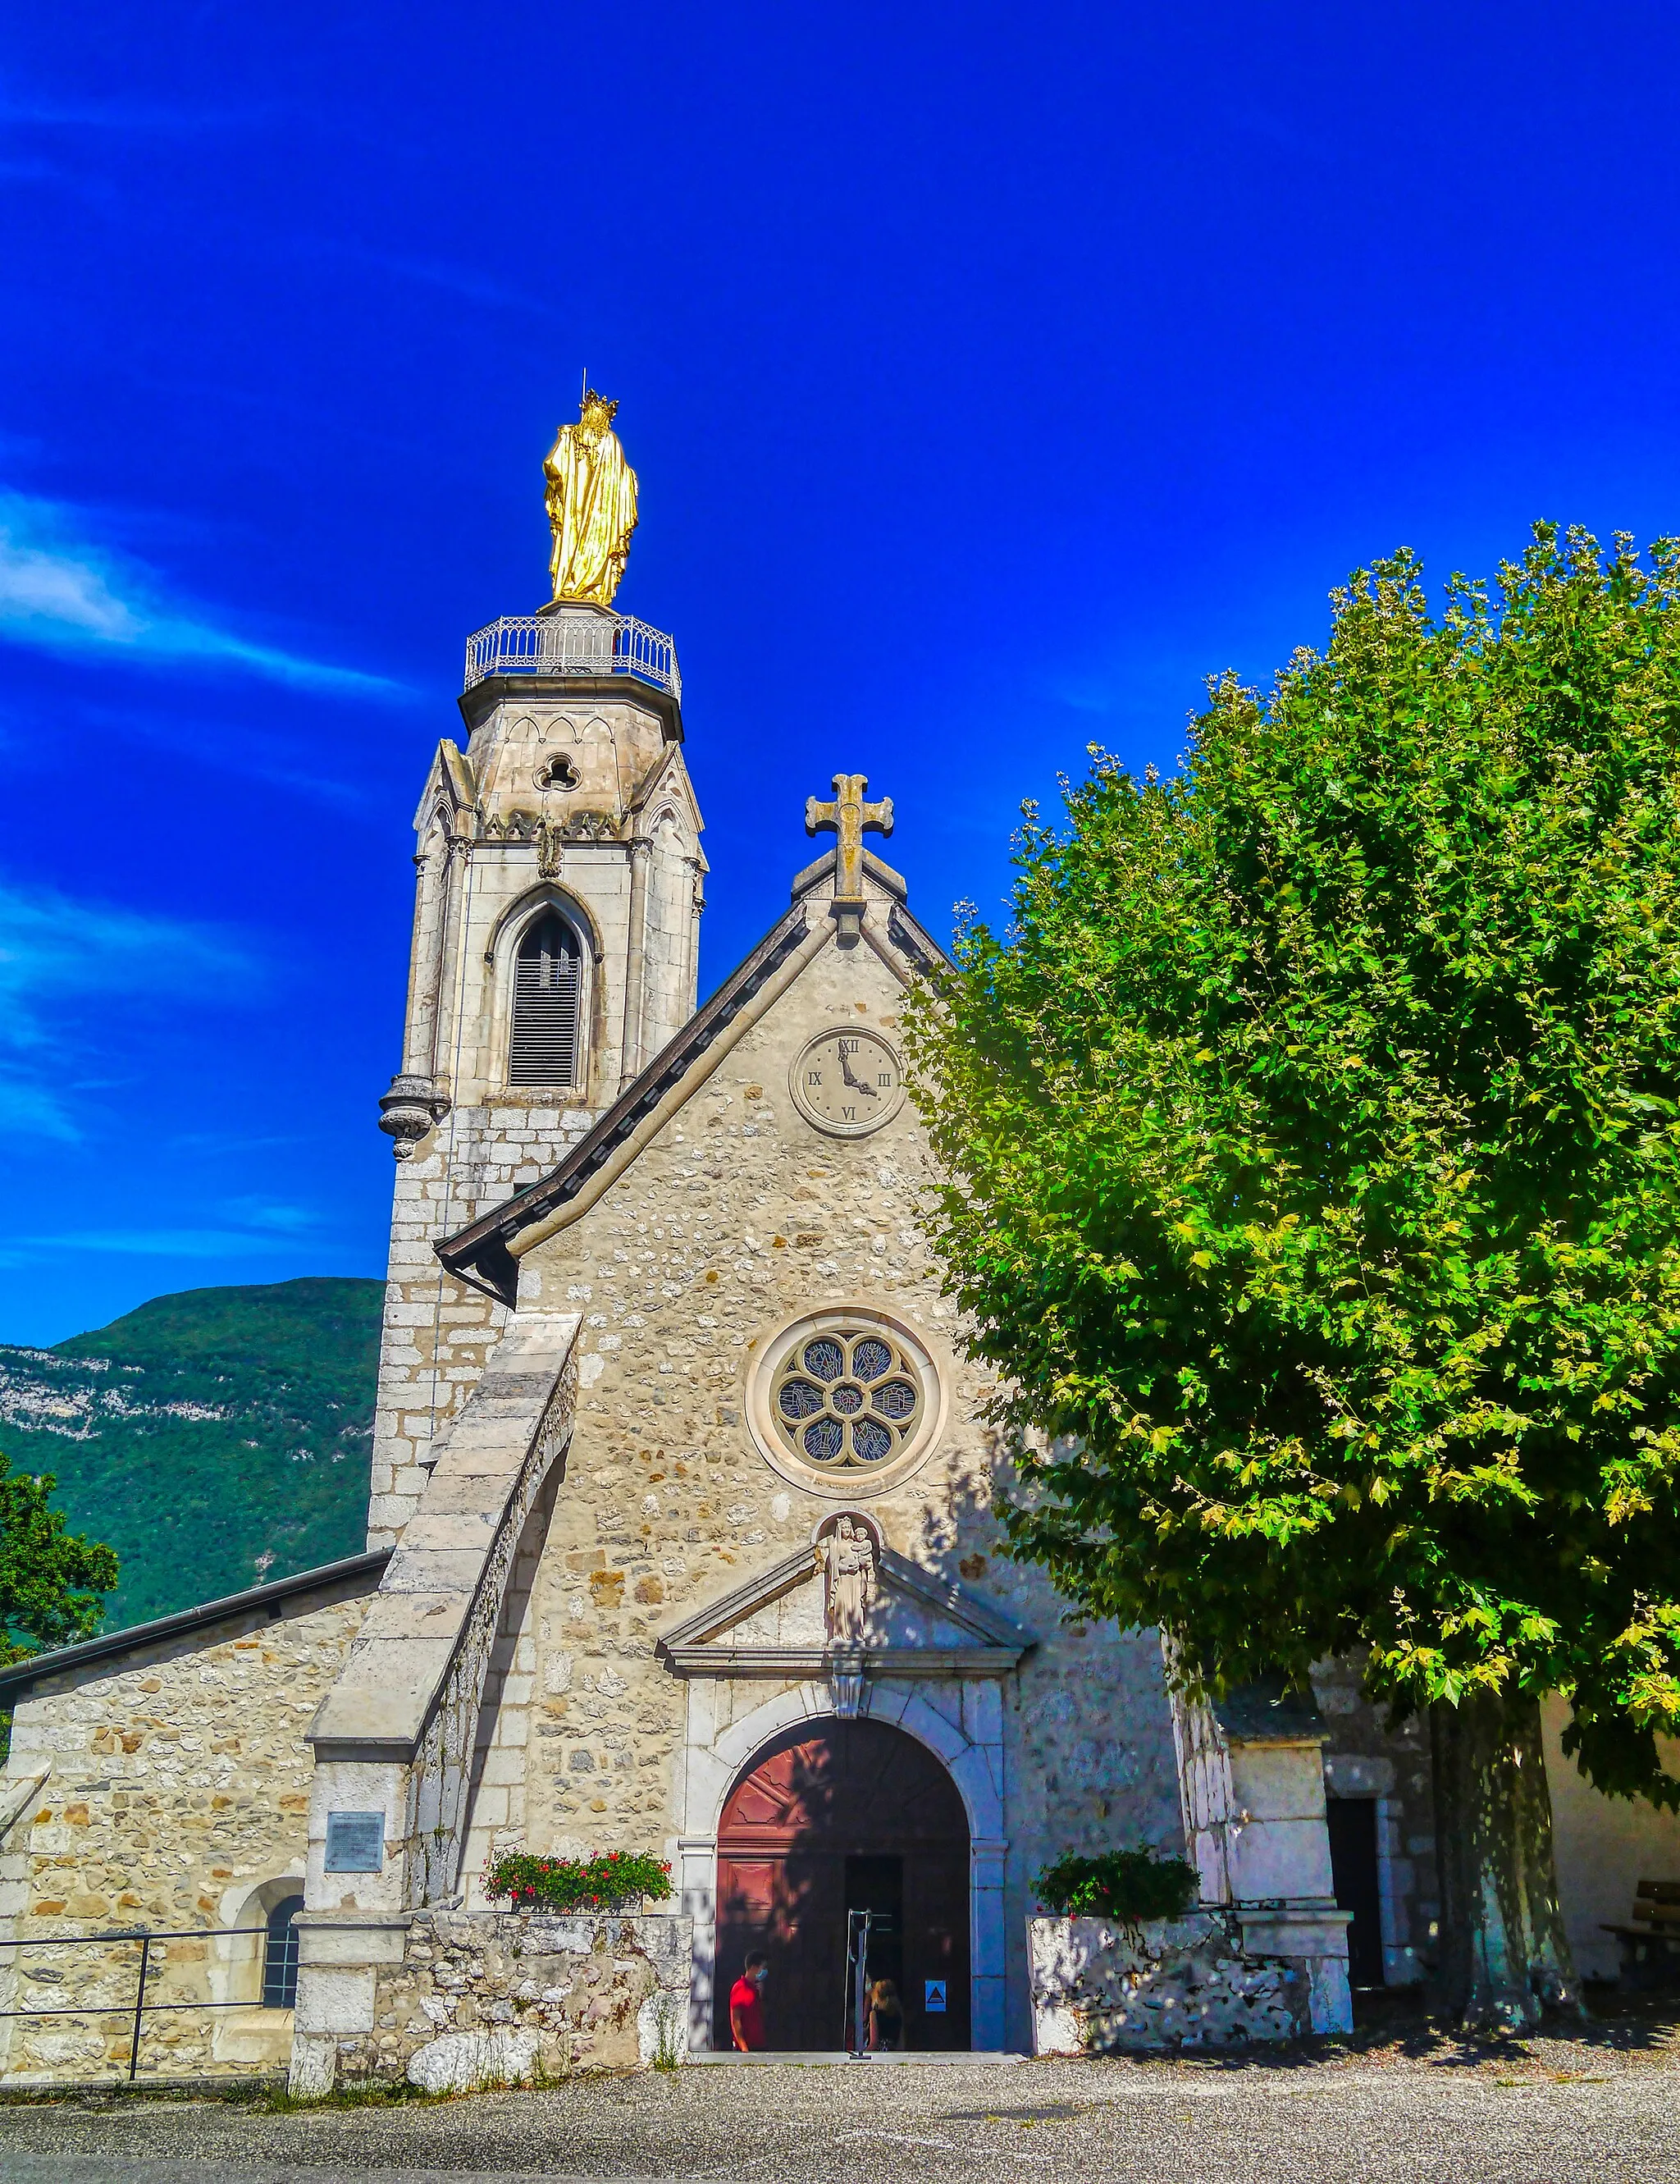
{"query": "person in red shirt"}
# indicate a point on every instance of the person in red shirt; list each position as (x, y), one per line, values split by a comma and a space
(746, 2003)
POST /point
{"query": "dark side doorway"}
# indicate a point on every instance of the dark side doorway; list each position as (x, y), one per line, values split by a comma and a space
(875, 1887)
(831, 1818)
(1353, 1864)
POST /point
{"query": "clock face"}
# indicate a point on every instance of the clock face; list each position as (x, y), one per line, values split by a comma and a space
(847, 1082)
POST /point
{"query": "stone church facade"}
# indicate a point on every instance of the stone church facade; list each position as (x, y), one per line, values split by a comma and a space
(706, 1233)
(679, 1535)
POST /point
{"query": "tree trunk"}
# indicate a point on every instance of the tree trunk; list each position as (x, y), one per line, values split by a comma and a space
(1503, 1955)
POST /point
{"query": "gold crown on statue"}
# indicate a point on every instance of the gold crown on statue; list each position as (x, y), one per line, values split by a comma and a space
(592, 400)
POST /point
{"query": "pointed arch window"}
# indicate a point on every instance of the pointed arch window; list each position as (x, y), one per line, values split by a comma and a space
(548, 999)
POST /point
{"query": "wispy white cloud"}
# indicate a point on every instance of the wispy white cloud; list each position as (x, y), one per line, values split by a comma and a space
(57, 955)
(213, 1144)
(238, 1228)
(63, 591)
(210, 739)
(462, 280)
(166, 1243)
(272, 1219)
(30, 1109)
(35, 110)
(54, 948)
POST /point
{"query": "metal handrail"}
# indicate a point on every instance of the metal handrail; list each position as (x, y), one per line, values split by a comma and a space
(139, 2007)
(597, 644)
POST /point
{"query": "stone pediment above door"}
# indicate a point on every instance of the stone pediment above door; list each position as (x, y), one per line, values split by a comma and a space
(849, 1599)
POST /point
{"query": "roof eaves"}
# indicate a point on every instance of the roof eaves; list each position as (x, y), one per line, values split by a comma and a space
(914, 941)
(18, 1676)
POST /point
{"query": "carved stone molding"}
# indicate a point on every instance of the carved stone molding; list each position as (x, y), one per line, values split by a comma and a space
(408, 1110)
(980, 1642)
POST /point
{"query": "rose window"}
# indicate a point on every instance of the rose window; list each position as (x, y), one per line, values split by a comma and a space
(847, 1398)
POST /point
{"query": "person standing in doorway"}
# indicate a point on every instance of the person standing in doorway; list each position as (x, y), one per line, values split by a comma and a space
(886, 2016)
(746, 2003)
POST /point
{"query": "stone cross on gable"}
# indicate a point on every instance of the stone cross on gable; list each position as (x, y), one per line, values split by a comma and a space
(850, 818)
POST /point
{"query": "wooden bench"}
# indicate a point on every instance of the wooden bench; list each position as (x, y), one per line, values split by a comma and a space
(1650, 1945)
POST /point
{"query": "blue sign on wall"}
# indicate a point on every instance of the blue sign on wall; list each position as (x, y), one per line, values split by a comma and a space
(355, 1843)
(933, 1996)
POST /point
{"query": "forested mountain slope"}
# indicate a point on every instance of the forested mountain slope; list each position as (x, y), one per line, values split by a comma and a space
(215, 1437)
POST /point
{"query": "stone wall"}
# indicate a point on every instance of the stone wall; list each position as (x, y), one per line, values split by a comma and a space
(1365, 1755)
(177, 1797)
(1605, 1847)
(1102, 1986)
(437, 1333)
(474, 1998)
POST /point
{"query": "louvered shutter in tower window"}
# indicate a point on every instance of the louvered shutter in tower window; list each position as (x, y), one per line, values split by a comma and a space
(547, 981)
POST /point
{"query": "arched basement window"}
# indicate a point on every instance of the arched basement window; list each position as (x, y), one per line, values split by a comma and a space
(280, 1956)
(548, 975)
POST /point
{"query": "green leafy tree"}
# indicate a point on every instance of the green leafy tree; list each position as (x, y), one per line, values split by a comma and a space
(1311, 1139)
(53, 1582)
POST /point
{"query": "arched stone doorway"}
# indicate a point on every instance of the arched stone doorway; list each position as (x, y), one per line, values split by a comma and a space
(832, 1816)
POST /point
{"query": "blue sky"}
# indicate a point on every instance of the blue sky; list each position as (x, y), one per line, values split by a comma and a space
(993, 375)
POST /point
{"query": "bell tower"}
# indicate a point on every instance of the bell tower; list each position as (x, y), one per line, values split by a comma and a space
(555, 945)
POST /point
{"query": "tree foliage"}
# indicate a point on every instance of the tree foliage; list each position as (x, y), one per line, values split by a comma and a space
(53, 1582)
(1119, 1884)
(1312, 1137)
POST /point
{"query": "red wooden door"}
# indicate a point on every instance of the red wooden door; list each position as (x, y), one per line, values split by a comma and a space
(816, 1795)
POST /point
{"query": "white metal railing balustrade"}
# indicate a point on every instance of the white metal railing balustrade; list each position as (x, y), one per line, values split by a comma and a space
(574, 644)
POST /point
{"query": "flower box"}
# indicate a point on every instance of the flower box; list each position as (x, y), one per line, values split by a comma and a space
(616, 1882)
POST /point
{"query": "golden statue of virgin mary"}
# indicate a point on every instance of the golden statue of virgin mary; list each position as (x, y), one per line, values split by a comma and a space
(591, 504)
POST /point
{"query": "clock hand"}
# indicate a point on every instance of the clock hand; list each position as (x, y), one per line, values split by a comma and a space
(856, 1083)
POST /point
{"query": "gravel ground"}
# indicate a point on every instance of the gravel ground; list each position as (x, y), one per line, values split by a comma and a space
(1417, 2109)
